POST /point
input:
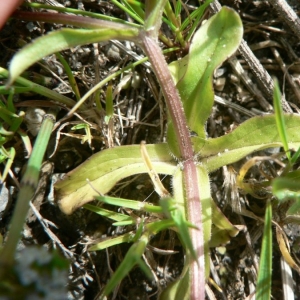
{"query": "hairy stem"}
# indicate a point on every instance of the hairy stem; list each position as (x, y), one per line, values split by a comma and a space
(192, 193)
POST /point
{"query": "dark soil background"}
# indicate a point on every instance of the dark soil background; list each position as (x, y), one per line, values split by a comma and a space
(140, 114)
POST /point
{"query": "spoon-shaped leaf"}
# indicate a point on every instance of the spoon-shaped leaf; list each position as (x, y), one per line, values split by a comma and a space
(215, 41)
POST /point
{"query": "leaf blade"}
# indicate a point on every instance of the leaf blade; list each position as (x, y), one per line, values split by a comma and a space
(105, 169)
(64, 39)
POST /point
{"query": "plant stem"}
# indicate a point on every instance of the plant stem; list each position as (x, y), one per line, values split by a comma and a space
(190, 177)
(28, 186)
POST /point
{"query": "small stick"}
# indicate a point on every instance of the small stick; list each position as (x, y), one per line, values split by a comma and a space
(287, 14)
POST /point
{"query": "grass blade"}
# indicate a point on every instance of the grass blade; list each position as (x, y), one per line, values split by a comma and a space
(280, 119)
(263, 288)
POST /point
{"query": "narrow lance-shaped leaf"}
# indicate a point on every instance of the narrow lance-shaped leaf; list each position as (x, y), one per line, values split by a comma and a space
(105, 169)
(255, 134)
(64, 39)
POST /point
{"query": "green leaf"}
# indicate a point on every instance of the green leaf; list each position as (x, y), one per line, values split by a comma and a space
(280, 119)
(109, 214)
(286, 188)
(263, 288)
(175, 211)
(132, 257)
(109, 242)
(213, 43)
(153, 13)
(222, 230)
(33, 87)
(133, 204)
(255, 134)
(64, 39)
(105, 169)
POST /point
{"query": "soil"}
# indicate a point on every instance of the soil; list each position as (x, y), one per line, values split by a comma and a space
(140, 114)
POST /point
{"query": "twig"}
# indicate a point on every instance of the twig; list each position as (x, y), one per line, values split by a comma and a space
(49, 232)
(239, 71)
(235, 106)
(287, 14)
(287, 76)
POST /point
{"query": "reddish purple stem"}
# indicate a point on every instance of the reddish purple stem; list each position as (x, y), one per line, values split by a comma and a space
(190, 176)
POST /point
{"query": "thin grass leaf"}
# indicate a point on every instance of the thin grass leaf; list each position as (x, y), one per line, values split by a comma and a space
(174, 23)
(129, 10)
(16, 89)
(295, 157)
(109, 213)
(70, 75)
(132, 258)
(109, 242)
(10, 159)
(281, 127)
(173, 211)
(41, 90)
(178, 8)
(195, 16)
(136, 205)
(137, 7)
(10, 102)
(263, 288)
